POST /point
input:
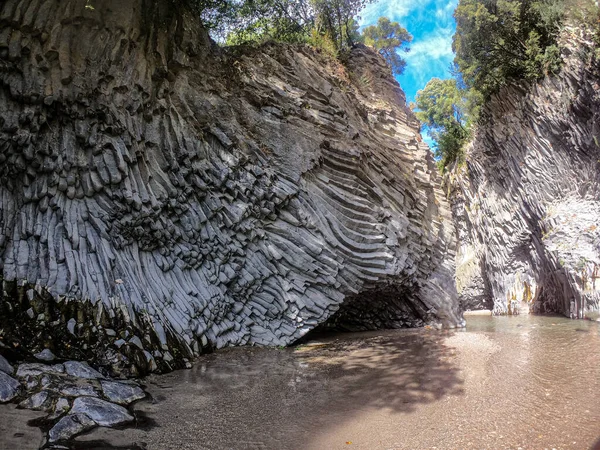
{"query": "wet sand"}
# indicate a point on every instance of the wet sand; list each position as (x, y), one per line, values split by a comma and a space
(505, 383)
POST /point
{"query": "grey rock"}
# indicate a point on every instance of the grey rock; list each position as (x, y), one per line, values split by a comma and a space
(77, 391)
(35, 369)
(71, 326)
(527, 202)
(38, 401)
(9, 387)
(69, 426)
(5, 366)
(137, 342)
(324, 207)
(62, 405)
(81, 370)
(121, 393)
(101, 412)
(31, 383)
(45, 355)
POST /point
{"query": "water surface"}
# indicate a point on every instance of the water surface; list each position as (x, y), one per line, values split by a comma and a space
(525, 382)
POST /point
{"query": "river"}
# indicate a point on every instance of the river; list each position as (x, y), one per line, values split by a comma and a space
(523, 382)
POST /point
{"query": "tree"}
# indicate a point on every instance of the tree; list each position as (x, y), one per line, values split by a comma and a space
(337, 19)
(329, 22)
(443, 108)
(501, 40)
(388, 38)
(257, 21)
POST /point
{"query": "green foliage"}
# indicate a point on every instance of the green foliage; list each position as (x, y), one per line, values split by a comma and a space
(501, 40)
(326, 22)
(331, 25)
(442, 107)
(387, 38)
(323, 42)
(257, 21)
(337, 19)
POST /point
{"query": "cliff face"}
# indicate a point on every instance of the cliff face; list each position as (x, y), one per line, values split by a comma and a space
(527, 204)
(159, 197)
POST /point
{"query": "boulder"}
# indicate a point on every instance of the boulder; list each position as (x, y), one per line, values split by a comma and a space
(69, 426)
(101, 412)
(9, 387)
(5, 366)
(121, 393)
(81, 370)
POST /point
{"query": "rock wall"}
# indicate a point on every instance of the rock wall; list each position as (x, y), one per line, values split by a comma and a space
(160, 197)
(527, 203)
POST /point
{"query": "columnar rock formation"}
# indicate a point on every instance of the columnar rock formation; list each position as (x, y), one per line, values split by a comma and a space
(527, 202)
(159, 196)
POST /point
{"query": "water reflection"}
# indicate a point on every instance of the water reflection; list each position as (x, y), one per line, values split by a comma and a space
(505, 382)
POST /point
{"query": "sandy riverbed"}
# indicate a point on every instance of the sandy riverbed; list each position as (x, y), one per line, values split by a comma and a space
(506, 382)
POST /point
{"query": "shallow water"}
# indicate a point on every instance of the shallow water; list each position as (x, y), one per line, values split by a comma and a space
(525, 382)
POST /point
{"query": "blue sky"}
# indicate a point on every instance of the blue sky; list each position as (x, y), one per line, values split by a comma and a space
(432, 26)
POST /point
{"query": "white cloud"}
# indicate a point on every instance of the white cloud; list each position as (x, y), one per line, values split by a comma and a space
(436, 45)
(432, 25)
(430, 55)
(395, 10)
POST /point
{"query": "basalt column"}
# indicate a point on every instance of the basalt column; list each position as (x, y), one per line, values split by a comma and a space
(160, 196)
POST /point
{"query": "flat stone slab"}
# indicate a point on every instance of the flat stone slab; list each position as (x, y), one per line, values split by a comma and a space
(5, 366)
(104, 413)
(121, 393)
(78, 391)
(35, 369)
(9, 387)
(69, 426)
(81, 370)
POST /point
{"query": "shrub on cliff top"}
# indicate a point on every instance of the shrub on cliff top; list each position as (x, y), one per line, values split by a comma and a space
(497, 41)
(388, 38)
(442, 107)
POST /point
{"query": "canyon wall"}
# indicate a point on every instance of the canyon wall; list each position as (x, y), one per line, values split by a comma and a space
(527, 203)
(160, 197)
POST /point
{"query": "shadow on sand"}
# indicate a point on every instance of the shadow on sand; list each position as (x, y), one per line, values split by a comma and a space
(281, 398)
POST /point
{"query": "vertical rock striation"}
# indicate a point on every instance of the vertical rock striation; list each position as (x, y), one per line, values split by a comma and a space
(527, 203)
(159, 197)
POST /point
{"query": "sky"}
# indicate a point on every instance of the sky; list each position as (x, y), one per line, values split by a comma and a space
(432, 26)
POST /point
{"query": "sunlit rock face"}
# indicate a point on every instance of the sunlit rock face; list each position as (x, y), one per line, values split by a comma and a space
(527, 203)
(160, 197)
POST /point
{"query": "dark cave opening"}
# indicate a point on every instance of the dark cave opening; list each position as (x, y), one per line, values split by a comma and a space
(390, 307)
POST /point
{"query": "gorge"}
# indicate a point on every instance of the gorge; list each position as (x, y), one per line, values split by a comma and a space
(162, 197)
(185, 198)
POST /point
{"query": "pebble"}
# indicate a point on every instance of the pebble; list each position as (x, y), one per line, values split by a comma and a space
(45, 355)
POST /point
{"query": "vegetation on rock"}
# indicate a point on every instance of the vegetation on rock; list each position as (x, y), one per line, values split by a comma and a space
(442, 106)
(387, 38)
(496, 42)
(331, 25)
